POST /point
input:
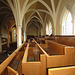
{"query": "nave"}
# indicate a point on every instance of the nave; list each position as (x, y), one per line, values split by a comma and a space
(37, 37)
(42, 56)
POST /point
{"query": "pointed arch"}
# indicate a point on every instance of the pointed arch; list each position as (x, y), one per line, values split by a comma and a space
(34, 1)
(67, 7)
(63, 19)
(39, 10)
(32, 18)
(73, 10)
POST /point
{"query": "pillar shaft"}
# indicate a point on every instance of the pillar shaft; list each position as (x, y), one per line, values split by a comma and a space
(0, 44)
(24, 39)
(44, 31)
(19, 36)
(73, 26)
(8, 39)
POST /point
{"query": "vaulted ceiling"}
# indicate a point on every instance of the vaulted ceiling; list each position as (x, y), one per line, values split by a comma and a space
(6, 15)
(38, 9)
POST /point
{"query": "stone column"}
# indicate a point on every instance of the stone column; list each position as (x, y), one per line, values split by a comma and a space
(8, 39)
(19, 35)
(24, 39)
(39, 31)
(73, 21)
(0, 44)
(74, 27)
(44, 30)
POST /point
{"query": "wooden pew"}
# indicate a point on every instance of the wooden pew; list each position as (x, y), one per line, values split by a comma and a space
(66, 57)
(69, 41)
(11, 71)
(33, 54)
(31, 44)
(49, 38)
(41, 40)
(63, 56)
(62, 71)
(66, 40)
(16, 63)
(62, 60)
(53, 48)
(34, 67)
(56, 48)
(8, 61)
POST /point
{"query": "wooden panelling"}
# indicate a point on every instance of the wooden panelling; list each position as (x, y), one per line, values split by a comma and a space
(32, 68)
(62, 71)
(43, 64)
(35, 67)
(62, 60)
(11, 71)
(56, 47)
(9, 59)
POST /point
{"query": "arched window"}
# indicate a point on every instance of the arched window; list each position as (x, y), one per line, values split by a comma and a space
(47, 31)
(49, 28)
(67, 26)
(14, 31)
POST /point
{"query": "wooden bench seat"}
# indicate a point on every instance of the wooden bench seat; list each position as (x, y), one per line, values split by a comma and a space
(36, 67)
(41, 40)
(12, 65)
(62, 71)
(56, 47)
(16, 64)
(32, 44)
(30, 54)
(4, 72)
(65, 55)
(66, 40)
(36, 60)
(53, 48)
(49, 51)
(34, 53)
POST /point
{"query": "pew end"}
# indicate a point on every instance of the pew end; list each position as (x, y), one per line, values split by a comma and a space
(11, 71)
(62, 71)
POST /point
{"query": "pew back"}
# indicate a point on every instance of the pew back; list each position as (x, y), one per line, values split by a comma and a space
(11, 71)
(64, 56)
(70, 41)
(62, 60)
(3, 66)
(33, 67)
(58, 49)
(62, 71)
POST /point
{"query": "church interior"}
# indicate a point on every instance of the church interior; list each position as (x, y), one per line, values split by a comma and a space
(37, 37)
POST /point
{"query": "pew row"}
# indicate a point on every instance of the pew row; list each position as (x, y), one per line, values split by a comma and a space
(65, 40)
(14, 60)
(69, 41)
(62, 71)
(36, 66)
(59, 55)
(11, 71)
(42, 40)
